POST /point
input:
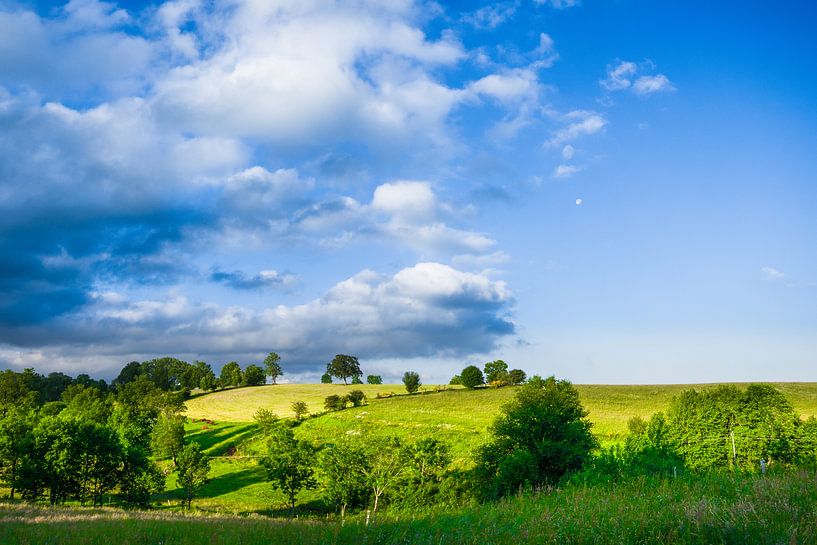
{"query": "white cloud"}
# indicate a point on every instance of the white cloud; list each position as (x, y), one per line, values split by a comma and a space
(492, 15)
(621, 76)
(407, 200)
(579, 123)
(647, 85)
(429, 309)
(568, 151)
(770, 273)
(565, 171)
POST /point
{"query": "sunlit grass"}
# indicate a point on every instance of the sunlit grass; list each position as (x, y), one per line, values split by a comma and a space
(693, 510)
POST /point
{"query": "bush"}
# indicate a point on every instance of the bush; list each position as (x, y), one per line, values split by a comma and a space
(539, 437)
(456, 380)
(267, 420)
(374, 379)
(334, 403)
(326, 378)
(411, 379)
(356, 380)
(471, 377)
(356, 398)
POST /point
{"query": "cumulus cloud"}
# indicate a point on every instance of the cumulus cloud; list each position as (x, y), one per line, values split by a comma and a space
(492, 15)
(429, 309)
(621, 76)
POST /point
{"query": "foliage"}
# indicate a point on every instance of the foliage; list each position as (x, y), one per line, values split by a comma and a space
(341, 468)
(326, 378)
(411, 380)
(290, 464)
(471, 377)
(272, 366)
(540, 436)
(456, 380)
(343, 367)
(356, 379)
(267, 420)
(334, 403)
(356, 398)
(496, 371)
(759, 421)
(254, 376)
(87, 403)
(192, 467)
(167, 437)
(300, 409)
(374, 379)
(231, 375)
(517, 376)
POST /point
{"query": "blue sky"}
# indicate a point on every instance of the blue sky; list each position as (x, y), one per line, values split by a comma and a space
(612, 191)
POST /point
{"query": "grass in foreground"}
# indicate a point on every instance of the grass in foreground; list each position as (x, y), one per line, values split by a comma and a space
(723, 509)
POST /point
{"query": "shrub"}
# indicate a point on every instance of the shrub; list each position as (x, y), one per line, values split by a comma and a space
(356, 380)
(456, 380)
(266, 419)
(374, 379)
(472, 377)
(411, 379)
(326, 378)
(540, 436)
(334, 403)
(356, 398)
(300, 409)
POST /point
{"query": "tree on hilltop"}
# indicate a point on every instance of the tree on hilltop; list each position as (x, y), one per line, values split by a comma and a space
(344, 367)
(272, 365)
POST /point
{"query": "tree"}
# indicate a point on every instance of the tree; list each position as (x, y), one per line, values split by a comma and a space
(300, 409)
(456, 380)
(356, 398)
(254, 375)
(517, 376)
(728, 427)
(15, 437)
(343, 367)
(471, 377)
(356, 379)
(128, 373)
(231, 374)
(208, 381)
(496, 371)
(374, 379)
(342, 468)
(290, 464)
(326, 378)
(87, 403)
(541, 435)
(193, 467)
(411, 379)
(167, 438)
(272, 365)
(384, 465)
(266, 420)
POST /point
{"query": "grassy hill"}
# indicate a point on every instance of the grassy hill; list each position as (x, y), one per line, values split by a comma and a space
(460, 417)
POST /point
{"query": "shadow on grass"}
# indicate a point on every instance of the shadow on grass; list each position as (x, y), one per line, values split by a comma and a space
(312, 509)
(222, 439)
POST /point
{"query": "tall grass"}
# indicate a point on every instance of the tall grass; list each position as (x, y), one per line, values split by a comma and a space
(711, 509)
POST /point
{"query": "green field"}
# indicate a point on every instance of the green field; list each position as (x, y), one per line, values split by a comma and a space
(458, 416)
(701, 510)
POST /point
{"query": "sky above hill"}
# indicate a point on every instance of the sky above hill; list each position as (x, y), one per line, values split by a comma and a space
(611, 191)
